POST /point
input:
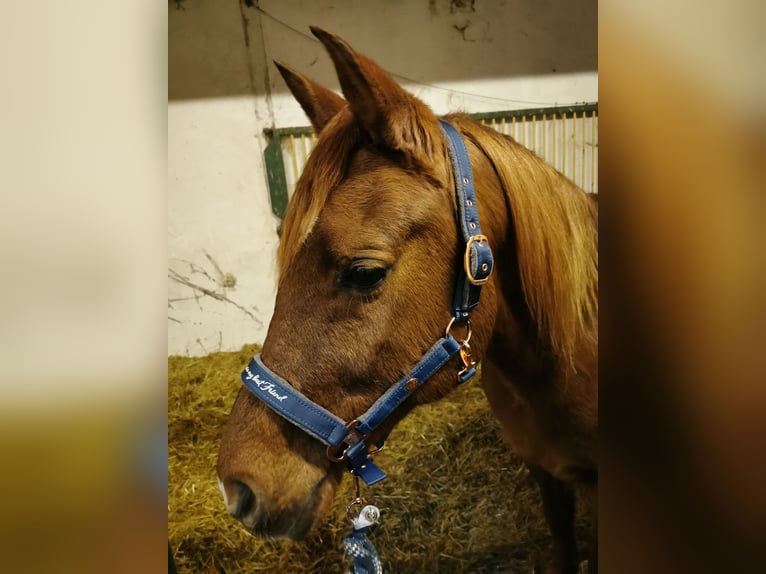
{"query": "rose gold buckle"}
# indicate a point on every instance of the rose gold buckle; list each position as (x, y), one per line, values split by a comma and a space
(468, 362)
(465, 349)
(467, 260)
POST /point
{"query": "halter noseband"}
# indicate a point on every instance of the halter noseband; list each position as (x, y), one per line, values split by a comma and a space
(346, 441)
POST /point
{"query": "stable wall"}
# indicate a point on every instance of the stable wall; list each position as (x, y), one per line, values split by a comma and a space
(223, 91)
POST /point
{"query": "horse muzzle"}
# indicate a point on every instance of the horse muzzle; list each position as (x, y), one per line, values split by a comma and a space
(272, 519)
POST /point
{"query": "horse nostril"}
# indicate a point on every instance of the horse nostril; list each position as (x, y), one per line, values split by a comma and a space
(245, 500)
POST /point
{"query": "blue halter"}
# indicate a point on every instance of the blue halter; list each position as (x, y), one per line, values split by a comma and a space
(346, 440)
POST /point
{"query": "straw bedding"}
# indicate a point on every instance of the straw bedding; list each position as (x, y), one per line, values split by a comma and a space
(455, 500)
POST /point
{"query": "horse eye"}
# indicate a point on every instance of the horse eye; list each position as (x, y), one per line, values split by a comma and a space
(362, 277)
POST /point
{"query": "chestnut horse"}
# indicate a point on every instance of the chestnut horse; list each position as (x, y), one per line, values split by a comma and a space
(367, 264)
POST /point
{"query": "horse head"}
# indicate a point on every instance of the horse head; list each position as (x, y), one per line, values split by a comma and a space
(367, 265)
(372, 243)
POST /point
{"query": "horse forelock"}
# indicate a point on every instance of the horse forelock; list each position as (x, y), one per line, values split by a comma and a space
(329, 162)
(555, 227)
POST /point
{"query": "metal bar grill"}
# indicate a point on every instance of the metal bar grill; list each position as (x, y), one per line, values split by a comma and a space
(560, 135)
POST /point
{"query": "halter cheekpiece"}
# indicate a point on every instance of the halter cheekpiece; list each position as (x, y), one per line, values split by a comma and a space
(345, 441)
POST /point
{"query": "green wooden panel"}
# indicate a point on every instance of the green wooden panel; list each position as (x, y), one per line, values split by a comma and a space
(275, 172)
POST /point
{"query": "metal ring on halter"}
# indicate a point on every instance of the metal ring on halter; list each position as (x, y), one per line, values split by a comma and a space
(376, 451)
(352, 438)
(480, 239)
(467, 326)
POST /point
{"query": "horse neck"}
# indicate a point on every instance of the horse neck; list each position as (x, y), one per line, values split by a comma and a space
(515, 330)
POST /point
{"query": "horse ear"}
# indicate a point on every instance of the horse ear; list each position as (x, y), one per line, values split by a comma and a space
(319, 103)
(385, 111)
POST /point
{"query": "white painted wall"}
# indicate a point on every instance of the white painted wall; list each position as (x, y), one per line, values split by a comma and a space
(223, 91)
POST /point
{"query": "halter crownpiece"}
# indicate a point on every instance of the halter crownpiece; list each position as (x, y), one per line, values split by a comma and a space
(346, 441)
(477, 261)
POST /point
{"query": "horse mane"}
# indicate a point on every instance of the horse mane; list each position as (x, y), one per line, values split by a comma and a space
(325, 168)
(556, 232)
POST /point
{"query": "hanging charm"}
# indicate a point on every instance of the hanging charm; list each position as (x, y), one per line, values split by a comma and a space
(357, 545)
